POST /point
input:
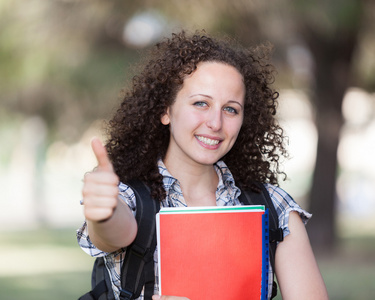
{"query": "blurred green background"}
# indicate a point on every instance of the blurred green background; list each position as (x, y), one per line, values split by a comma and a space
(63, 64)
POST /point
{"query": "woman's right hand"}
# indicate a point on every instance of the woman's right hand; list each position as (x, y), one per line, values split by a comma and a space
(110, 222)
(100, 189)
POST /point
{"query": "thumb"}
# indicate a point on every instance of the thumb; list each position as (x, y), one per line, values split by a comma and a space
(101, 155)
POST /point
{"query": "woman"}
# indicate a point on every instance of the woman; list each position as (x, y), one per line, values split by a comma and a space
(198, 122)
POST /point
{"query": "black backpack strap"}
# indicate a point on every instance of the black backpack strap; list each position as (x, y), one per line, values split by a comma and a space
(258, 195)
(98, 292)
(138, 266)
(100, 283)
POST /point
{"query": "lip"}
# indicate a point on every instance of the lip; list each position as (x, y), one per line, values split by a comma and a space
(199, 138)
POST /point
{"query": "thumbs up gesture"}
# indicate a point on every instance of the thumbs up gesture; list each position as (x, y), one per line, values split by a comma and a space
(100, 189)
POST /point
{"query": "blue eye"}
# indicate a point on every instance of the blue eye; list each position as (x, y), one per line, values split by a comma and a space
(231, 110)
(200, 103)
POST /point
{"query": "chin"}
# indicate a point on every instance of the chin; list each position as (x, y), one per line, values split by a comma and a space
(207, 161)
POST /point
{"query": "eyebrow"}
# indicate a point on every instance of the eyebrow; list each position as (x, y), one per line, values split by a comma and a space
(208, 96)
(234, 101)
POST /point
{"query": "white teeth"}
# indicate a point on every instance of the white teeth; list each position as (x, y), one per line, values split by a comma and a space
(207, 141)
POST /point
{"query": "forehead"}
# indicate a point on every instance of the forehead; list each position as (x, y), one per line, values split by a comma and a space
(213, 71)
(215, 77)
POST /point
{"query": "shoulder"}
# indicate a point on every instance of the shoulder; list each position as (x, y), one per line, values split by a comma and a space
(284, 205)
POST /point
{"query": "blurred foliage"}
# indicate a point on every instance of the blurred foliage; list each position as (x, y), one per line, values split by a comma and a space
(330, 17)
(59, 62)
(66, 60)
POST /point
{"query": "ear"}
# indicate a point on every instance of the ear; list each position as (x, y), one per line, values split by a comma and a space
(165, 118)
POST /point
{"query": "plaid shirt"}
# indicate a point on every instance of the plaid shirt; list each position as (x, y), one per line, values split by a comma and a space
(226, 195)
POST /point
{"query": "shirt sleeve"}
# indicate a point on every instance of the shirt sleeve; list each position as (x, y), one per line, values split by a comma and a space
(284, 205)
(127, 195)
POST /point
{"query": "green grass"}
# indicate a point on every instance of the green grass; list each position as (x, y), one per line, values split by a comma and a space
(48, 264)
(349, 273)
(66, 285)
(43, 264)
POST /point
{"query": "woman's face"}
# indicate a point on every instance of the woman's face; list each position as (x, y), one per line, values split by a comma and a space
(206, 116)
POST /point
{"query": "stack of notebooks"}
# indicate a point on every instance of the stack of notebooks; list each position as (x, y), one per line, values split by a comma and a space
(216, 253)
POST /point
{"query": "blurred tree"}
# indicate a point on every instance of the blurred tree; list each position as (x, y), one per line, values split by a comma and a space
(331, 30)
(66, 61)
(63, 61)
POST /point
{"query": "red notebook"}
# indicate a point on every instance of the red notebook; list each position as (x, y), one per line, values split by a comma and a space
(213, 252)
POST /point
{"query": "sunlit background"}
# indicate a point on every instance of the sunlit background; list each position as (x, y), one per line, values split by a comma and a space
(63, 64)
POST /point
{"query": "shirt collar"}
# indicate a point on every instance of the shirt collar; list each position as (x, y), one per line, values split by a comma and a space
(226, 181)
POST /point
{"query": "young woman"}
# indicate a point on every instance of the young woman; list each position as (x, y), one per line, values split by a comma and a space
(197, 123)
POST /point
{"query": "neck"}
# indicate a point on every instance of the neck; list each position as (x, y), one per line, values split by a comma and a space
(198, 182)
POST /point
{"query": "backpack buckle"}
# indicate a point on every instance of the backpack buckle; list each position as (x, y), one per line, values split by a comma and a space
(276, 235)
(125, 295)
(138, 250)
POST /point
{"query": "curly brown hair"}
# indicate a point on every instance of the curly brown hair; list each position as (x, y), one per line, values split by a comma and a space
(137, 138)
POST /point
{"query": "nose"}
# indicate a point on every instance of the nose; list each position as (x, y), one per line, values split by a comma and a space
(214, 121)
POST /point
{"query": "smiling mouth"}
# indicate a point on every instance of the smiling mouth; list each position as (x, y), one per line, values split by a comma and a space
(207, 141)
